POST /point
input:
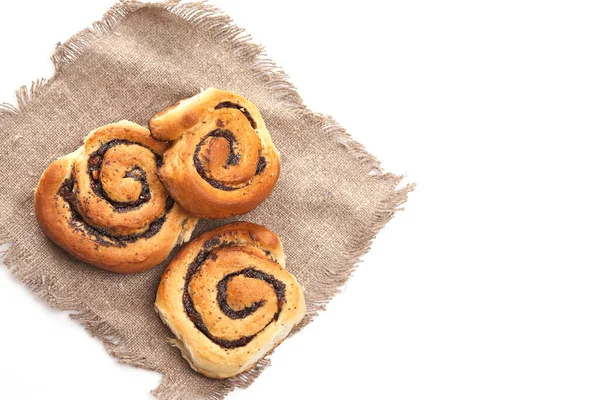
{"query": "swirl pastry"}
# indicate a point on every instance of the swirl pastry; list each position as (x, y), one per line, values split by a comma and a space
(105, 205)
(222, 161)
(229, 300)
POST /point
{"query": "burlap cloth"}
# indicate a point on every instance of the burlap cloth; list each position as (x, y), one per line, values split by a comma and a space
(329, 203)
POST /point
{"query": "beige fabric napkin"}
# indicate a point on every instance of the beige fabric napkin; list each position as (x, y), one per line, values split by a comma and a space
(329, 203)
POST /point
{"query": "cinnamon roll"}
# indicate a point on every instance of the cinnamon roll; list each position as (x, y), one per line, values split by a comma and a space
(222, 161)
(105, 205)
(228, 299)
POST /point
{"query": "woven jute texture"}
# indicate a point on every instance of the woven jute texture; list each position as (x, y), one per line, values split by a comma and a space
(330, 201)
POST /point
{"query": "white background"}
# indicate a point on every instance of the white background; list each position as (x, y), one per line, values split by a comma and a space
(487, 286)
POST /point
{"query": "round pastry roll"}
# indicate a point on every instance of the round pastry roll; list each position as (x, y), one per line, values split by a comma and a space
(105, 205)
(229, 300)
(222, 161)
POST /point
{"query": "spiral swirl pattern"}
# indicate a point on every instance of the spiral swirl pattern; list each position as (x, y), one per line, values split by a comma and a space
(222, 161)
(105, 205)
(229, 299)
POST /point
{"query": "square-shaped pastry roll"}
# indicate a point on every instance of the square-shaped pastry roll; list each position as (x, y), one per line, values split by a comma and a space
(229, 299)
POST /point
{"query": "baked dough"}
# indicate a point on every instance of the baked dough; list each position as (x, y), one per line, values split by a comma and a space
(105, 205)
(228, 299)
(222, 161)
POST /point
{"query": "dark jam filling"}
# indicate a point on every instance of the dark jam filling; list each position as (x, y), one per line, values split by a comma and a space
(260, 167)
(228, 104)
(95, 168)
(232, 159)
(196, 318)
(252, 273)
(102, 236)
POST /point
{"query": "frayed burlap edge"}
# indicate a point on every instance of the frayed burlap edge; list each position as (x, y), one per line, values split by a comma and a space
(239, 42)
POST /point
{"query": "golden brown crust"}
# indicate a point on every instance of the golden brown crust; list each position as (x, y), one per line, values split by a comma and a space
(228, 299)
(222, 161)
(87, 225)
